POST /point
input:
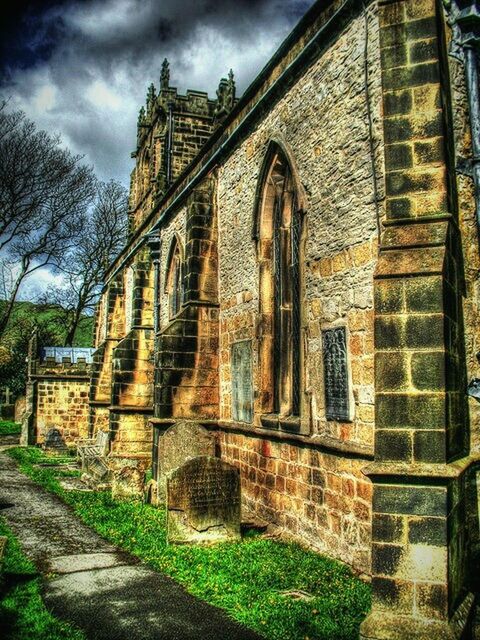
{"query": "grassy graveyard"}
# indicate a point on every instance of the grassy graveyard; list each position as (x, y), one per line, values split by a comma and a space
(277, 588)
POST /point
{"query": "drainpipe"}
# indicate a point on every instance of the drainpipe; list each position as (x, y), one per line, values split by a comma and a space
(464, 18)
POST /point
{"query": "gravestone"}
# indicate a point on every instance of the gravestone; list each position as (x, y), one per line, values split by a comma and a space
(20, 408)
(203, 502)
(180, 442)
(54, 441)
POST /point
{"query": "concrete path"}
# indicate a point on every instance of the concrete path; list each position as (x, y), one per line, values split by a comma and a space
(106, 592)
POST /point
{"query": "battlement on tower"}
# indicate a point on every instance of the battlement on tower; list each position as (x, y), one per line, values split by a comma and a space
(171, 130)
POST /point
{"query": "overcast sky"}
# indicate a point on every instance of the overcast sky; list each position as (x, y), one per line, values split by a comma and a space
(81, 68)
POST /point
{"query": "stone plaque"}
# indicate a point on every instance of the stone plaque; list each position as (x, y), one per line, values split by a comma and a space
(242, 391)
(335, 373)
(180, 442)
(203, 501)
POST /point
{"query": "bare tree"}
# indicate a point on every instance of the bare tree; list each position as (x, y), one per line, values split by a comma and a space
(87, 261)
(44, 195)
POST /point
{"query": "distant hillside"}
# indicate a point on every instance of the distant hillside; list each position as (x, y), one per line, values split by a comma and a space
(52, 319)
(51, 325)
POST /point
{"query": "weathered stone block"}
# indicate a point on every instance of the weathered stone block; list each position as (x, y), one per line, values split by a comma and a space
(410, 500)
(393, 595)
(431, 531)
(423, 50)
(387, 528)
(430, 446)
(424, 331)
(412, 76)
(430, 152)
(393, 445)
(424, 295)
(391, 371)
(400, 183)
(428, 371)
(397, 102)
(389, 332)
(416, 411)
(385, 558)
(398, 208)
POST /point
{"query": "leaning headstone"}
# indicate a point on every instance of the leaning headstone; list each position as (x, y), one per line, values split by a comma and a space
(180, 442)
(203, 502)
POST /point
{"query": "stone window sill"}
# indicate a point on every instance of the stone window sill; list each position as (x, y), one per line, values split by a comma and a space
(292, 424)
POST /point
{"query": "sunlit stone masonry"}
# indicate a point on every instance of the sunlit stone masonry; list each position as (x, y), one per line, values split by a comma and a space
(301, 279)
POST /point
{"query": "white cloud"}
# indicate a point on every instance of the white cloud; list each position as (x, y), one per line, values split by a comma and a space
(37, 283)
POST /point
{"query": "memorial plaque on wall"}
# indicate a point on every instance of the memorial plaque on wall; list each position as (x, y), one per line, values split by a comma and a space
(335, 370)
(203, 501)
(242, 389)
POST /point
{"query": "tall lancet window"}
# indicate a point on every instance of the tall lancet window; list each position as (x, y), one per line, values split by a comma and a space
(174, 281)
(279, 233)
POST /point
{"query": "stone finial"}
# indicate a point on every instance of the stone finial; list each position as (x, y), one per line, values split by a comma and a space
(165, 75)
(141, 117)
(151, 97)
(225, 96)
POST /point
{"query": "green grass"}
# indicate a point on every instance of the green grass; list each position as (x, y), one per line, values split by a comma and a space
(9, 428)
(23, 615)
(246, 578)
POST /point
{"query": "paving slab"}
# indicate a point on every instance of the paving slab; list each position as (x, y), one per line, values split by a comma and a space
(103, 590)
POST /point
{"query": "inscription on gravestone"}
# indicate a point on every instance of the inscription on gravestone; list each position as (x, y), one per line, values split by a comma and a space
(180, 442)
(335, 373)
(203, 501)
(242, 392)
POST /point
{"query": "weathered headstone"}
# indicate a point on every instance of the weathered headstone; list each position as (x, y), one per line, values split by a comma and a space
(54, 441)
(20, 408)
(203, 501)
(128, 482)
(180, 442)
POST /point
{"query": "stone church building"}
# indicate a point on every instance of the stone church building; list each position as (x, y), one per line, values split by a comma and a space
(302, 277)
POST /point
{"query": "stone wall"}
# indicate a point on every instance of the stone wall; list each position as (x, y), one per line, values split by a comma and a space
(361, 117)
(322, 123)
(318, 497)
(62, 404)
(57, 398)
(186, 372)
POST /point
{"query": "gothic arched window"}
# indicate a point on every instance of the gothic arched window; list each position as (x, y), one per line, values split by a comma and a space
(278, 233)
(174, 281)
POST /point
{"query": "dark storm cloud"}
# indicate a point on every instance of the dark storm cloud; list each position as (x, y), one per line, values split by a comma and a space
(82, 68)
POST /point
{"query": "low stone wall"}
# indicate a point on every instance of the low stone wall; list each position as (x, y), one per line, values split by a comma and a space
(62, 403)
(321, 498)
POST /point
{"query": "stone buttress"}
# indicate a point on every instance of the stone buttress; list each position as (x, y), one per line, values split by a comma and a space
(419, 537)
